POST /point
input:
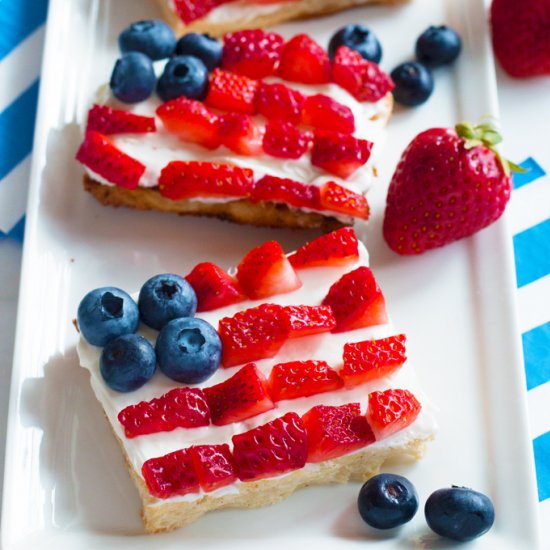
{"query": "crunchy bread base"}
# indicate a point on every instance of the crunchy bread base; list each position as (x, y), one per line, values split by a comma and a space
(288, 10)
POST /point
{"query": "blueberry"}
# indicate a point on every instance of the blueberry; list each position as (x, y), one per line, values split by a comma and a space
(188, 350)
(154, 38)
(166, 297)
(183, 75)
(133, 78)
(205, 47)
(105, 313)
(358, 38)
(459, 513)
(127, 362)
(438, 46)
(387, 500)
(413, 83)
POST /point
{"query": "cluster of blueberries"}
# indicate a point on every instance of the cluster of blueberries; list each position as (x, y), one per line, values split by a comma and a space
(458, 513)
(187, 349)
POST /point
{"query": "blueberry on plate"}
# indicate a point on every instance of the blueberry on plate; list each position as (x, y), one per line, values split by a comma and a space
(205, 47)
(152, 37)
(413, 83)
(387, 500)
(188, 350)
(438, 46)
(358, 38)
(133, 78)
(183, 75)
(459, 513)
(166, 297)
(105, 313)
(127, 362)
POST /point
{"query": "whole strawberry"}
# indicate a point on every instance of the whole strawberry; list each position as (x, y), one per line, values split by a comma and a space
(448, 185)
(521, 36)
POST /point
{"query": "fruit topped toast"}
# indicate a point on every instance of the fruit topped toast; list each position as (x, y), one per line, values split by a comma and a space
(235, 390)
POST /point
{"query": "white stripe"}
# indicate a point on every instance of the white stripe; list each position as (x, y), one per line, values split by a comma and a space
(533, 300)
(21, 67)
(13, 195)
(544, 517)
(537, 401)
(530, 205)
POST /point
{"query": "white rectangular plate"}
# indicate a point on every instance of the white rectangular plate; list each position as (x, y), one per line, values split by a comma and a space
(66, 485)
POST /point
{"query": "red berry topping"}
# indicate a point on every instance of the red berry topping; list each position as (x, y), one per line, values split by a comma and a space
(266, 271)
(191, 121)
(356, 301)
(214, 287)
(105, 120)
(109, 162)
(178, 408)
(363, 79)
(338, 198)
(324, 113)
(279, 102)
(286, 191)
(335, 431)
(253, 334)
(339, 154)
(239, 397)
(301, 379)
(307, 320)
(283, 140)
(241, 134)
(232, 92)
(170, 475)
(272, 449)
(214, 465)
(391, 410)
(372, 359)
(190, 10)
(253, 53)
(182, 180)
(337, 248)
(303, 60)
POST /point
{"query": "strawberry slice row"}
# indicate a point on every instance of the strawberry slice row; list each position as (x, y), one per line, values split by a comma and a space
(106, 121)
(282, 445)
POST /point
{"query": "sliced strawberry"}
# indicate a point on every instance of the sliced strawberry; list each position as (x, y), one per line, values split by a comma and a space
(391, 411)
(213, 286)
(286, 191)
(266, 271)
(253, 53)
(109, 162)
(303, 60)
(241, 134)
(363, 79)
(338, 198)
(301, 379)
(190, 10)
(356, 301)
(183, 180)
(307, 320)
(337, 248)
(339, 154)
(372, 359)
(106, 120)
(232, 92)
(253, 334)
(239, 397)
(214, 465)
(283, 140)
(271, 449)
(170, 475)
(335, 431)
(279, 102)
(191, 121)
(178, 408)
(324, 113)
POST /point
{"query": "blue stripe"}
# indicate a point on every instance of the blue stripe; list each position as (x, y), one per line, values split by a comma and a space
(541, 446)
(532, 251)
(18, 19)
(534, 172)
(17, 129)
(536, 352)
